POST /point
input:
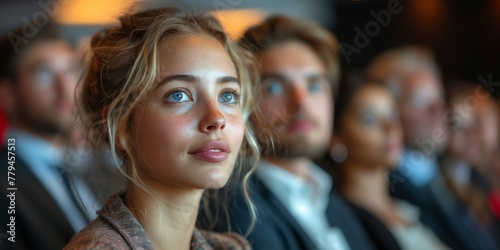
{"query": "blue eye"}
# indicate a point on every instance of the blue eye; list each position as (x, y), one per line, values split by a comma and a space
(44, 77)
(369, 119)
(229, 97)
(275, 88)
(315, 88)
(178, 96)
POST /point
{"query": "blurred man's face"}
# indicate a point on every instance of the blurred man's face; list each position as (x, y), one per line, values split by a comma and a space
(297, 99)
(486, 126)
(421, 107)
(463, 143)
(44, 89)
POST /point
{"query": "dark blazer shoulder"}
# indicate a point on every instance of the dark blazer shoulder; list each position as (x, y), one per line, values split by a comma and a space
(274, 227)
(35, 211)
(340, 215)
(380, 235)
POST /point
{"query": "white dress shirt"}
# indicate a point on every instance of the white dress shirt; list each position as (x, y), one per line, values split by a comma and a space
(41, 158)
(306, 201)
(460, 172)
(415, 236)
(419, 168)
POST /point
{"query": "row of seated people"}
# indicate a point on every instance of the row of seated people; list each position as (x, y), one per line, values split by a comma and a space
(385, 158)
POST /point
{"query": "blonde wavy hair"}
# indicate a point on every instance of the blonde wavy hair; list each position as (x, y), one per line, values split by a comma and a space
(123, 66)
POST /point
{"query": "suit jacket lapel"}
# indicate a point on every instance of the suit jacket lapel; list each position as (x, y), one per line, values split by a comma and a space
(281, 213)
(37, 212)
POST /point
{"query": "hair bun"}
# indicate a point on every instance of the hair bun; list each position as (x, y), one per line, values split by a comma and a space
(98, 37)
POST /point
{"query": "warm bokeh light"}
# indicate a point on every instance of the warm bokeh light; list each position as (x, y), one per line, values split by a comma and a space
(235, 22)
(495, 12)
(91, 12)
(428, 11)
(98, 12)
(429, 18)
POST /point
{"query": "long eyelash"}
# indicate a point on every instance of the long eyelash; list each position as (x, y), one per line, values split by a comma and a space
(177, 90)
(237, 95)
(183, 90)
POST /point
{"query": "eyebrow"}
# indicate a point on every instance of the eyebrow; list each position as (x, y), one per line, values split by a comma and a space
(195, 79)
(273, 76)
(317, 77)
(39, 64)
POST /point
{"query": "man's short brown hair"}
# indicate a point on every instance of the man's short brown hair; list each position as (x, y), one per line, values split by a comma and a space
(278, 29)
(14, 44)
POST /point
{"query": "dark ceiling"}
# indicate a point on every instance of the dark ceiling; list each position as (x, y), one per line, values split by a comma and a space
(464, 34)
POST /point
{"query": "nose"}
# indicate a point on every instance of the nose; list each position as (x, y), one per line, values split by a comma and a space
(213, 119)
(65, 86)
(391, 125)
(437, 108)
(298, 98)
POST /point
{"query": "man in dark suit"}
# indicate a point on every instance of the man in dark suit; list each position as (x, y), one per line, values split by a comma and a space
(38, 75)
(295, 204)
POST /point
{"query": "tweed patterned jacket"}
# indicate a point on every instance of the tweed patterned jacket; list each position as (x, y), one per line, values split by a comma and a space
(116, 228)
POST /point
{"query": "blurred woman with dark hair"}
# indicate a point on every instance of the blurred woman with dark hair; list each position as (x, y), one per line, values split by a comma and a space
(366, 145)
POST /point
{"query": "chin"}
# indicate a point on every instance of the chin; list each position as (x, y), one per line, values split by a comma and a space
(215, 179)
(392, 163)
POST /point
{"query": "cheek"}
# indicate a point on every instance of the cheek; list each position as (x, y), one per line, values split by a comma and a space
(406, 118)
(455, 141)
(273, 106)
(364, 142)
(36, 99)
(236, 130)
(398, 134)
(372, 139)
(157, 136)
(490, 133)
(324, 112)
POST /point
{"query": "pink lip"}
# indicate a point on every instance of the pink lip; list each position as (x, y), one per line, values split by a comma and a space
(214, 151)
(300, 126)
(64, 106)
(393, 146)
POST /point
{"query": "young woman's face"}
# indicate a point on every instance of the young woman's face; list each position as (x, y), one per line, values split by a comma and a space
(190, 128)
(370, 129)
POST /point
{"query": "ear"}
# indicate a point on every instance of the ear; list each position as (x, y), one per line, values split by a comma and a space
(104, 117)
(7, 97)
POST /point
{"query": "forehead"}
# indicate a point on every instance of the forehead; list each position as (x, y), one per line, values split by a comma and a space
(47, 51)
(373, 96)
(290, 58)
(189, 54)
(422, 80)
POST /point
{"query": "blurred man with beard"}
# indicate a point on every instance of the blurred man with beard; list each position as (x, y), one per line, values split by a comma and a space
(38, 77)
(293, 197)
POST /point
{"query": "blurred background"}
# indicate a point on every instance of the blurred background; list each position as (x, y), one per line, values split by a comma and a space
(464, 34)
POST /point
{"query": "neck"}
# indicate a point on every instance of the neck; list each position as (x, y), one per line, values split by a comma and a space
(55, 139)
(168, 219)
(297, 166)
(428, 155)
(366, 186)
